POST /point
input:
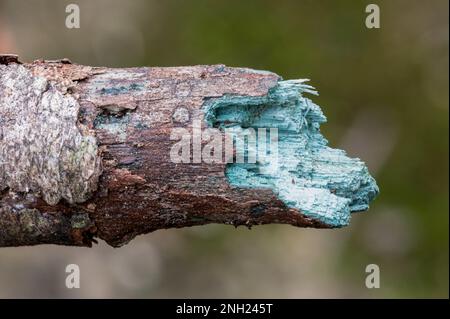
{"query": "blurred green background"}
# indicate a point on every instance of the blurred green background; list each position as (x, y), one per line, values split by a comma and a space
(384, 91)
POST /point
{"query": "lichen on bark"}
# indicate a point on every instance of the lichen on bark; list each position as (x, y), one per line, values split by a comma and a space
(29, 226)
(42, 149)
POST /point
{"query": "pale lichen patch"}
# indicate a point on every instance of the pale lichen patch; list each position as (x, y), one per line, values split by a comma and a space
(41, 147)
(181, 115)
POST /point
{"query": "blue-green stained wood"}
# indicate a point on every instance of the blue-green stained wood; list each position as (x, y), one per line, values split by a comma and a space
(321, 182)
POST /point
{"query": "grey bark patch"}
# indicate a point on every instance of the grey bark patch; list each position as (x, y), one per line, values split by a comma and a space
(181, 115)
(114, 124)
(29, 226)
(41, 148)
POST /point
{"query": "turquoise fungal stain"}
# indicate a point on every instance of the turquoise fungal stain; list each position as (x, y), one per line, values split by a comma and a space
(321, 182)
(122, 89)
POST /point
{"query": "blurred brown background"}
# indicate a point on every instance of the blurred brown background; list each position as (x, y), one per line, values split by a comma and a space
(384, 91)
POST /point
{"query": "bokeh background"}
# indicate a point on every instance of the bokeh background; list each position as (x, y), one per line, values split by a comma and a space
(384, 91)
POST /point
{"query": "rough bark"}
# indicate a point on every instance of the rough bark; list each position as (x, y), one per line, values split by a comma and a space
(90, 158)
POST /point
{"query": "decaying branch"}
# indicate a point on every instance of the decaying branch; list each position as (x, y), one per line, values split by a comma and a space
(85, 153)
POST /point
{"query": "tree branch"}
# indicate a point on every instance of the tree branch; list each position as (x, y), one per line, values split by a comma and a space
(85, 152)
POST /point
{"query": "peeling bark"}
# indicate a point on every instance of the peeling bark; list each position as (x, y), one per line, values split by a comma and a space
(85, 153)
